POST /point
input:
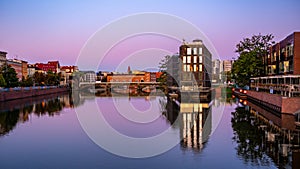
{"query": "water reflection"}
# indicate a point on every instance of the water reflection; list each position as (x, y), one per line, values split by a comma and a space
(195, 122)
(262, 134)
(18, 111)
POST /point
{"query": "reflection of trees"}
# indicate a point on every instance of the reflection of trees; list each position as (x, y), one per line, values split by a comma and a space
(51, 106)
(248, 137)
(8, 121)
(254, 138)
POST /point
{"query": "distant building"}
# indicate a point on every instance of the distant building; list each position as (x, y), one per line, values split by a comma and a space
(24, 69)
(150, 76)
(196, 64)
(138, 77)
(88, 76)
(284, 57)
(216, 71)
(50, 66)
(227, 65)
(17, 65)
(135, 76)
(2, 58)
(66, 73)
(31, 69)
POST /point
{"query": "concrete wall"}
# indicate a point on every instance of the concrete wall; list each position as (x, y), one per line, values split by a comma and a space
(11, 95)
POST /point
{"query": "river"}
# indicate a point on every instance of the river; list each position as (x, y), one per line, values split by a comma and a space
(50, 132)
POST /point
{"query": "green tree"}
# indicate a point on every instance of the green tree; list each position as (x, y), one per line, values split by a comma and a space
(27, 82)
(251, 54)
(10, 76)
(39, 78)
(52, 78)
(2, 81)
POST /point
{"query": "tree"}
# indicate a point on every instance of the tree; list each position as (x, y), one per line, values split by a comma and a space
(251, 54)
(163, 63)
(26, 82)
(39, 78)
(10, 76)
(2, 81)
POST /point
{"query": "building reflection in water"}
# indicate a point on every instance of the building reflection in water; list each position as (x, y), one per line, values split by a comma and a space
(193, 119)
(262, 134)
(18, 111)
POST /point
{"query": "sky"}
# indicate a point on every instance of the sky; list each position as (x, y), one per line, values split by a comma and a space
(39, 31)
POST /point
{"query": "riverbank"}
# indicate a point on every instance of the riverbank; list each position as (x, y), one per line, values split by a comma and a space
(30, 92)
(289, 105)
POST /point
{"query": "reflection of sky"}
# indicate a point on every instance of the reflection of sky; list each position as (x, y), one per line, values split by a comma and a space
(111, 110)
(60, 142)
(51, 30)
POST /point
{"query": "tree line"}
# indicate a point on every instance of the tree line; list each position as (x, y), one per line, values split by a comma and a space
(8, 78)
(251, 52)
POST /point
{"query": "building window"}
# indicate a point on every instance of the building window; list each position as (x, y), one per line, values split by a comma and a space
(188, 68)
(291, 50)
(184, 68)
(200, 51)
(273, 69)
(189, 51)
(200, 68)
(195, 59)
(281, 67)
(195, 68)
(200, 59)
(184, 59)
(274, 56)
(188, 59)
(286, 66)
(195, 51)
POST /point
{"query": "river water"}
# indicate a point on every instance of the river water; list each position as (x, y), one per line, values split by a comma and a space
(48, 132)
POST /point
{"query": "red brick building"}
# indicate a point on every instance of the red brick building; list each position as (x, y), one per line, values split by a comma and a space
(50, 66)
(284, 57)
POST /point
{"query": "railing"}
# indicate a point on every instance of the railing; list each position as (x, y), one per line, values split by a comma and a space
(283, 89)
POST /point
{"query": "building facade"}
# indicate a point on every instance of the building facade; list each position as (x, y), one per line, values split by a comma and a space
(227, 65)
(30, 69)
(2, 58)
(216, 71)
(66, 73)
(284, 57)
(17, 65)
(196, 68)
(52, 66)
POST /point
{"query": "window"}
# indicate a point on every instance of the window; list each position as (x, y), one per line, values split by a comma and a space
(200, 59)
(184, 68)
(286, 66)
(188, 68)
(189, 51)
(195, 51)
(200, 51)
(195, 68)
(195, 59)
(184, 59)
(200, 68)
(188, 59)
(274, 56)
